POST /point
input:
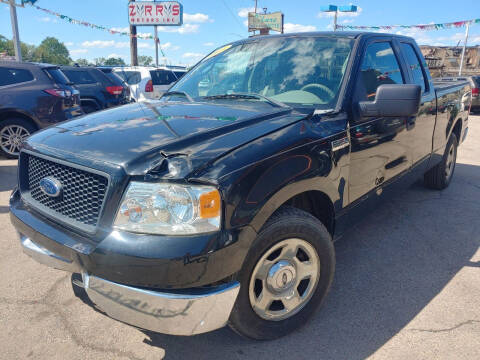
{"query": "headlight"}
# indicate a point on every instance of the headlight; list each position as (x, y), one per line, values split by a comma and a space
(169, 209)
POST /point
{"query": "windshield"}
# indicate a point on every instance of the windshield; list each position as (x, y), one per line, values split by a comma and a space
(306, 71)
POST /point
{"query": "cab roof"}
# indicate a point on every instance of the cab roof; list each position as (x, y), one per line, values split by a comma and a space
(333, 34)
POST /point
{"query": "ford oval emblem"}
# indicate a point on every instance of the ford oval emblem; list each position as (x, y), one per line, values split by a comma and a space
(51, 186)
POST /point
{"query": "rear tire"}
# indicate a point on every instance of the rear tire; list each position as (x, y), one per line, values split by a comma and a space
(288, 230)
(440, 176)
(13, 132)
(87, 109)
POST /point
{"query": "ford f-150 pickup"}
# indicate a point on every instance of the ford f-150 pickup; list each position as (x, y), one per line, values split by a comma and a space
(219, 203)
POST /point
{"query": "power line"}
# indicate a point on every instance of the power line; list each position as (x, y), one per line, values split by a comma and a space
(233, 14)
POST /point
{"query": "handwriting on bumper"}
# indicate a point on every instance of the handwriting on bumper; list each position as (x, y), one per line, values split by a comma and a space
(140, 305)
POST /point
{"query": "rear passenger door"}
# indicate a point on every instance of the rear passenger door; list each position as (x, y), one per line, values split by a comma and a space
(420, 128)
(379, 145)
(17, 88)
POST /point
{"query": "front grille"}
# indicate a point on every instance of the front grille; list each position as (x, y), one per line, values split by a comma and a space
(82, 196)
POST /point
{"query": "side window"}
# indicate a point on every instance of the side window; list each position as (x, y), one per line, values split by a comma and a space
(131, 77)
(379, 67)
(179, 74)
(9, 76)
(162, 77)
(79, 76)
(415, 67)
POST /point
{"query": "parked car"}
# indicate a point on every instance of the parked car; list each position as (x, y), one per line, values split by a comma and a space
(164, 77)
(32, 96)
(474, 83)
(116, 79)
(149, 82)
(97, 91)
(476, 94)
(195, 211)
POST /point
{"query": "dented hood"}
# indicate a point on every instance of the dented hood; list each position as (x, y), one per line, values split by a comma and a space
(139, 135)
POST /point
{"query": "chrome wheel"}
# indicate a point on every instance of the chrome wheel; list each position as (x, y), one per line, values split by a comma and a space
(451, 160)
(284, 279)
(12, 138)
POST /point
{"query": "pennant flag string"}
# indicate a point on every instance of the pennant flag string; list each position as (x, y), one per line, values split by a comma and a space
(426, 27)
(112, 31)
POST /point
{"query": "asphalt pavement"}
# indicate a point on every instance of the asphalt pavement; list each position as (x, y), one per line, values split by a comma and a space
(407, 286)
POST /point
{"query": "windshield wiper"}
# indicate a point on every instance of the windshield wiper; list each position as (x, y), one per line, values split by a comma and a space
(247, 96)
(182, 93)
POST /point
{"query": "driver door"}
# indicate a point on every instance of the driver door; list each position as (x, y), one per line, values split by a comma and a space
(379, 145)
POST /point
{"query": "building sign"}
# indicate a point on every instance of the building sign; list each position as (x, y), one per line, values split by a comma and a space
(169, 13)
(272, 21)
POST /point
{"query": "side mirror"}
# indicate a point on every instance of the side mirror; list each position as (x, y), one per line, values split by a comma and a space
(393, 100)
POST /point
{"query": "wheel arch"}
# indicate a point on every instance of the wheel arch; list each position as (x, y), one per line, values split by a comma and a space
(457, 129)
(303, 195)
(90, 101)
(316, 203)
(14, 113)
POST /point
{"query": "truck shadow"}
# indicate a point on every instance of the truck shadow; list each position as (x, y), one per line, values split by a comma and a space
(8, 176)
(389, 267)
(4, 209)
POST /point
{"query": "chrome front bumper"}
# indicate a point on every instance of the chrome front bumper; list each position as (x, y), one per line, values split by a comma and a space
(176, 313)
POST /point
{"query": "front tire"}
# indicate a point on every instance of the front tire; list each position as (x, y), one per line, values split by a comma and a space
(285, 277)
(13, 132)
(440, 176)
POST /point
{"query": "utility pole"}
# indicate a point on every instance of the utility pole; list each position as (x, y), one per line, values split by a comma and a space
(255, 13)
(16, 37)
(157, 41)
(133, 44)
(464, 48)
(265, 31)
(335, 20)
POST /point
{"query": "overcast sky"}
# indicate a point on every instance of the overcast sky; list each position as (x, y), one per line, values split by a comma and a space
(211, 23)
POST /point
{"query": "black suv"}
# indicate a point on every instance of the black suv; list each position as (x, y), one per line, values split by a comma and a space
(97, 91)
(32, 96)
(108, 71)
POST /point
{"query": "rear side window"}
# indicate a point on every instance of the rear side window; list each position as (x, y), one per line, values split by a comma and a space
(162, 77)
(379, 66)
(117, 80)
(476, 81)
(179, 74)
(99, 76)
(130, 77)
(415, 67)
(79, 76)
(57, 75)
(9, 76)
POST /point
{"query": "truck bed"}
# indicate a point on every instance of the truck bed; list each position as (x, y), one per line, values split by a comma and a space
(442, 84)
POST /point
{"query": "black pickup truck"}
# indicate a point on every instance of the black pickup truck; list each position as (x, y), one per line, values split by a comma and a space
(219, 203)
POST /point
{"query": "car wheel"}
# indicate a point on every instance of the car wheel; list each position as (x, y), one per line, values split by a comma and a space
(285, 277)
(440, 176)
(13, 132)
(87, 109)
